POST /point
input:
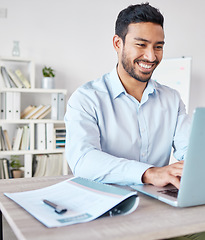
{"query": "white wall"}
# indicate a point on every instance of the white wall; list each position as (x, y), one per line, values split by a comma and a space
(75, 37)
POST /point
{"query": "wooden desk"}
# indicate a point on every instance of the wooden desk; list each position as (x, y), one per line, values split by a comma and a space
(151, 220)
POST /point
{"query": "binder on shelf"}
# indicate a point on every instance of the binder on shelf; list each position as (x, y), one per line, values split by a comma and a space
(49, 136)
(16, 105)
(9, 105)
(3, 105)
(54, 104)
(41, 136)
(61, 106)
(27, 166)
(23, 79)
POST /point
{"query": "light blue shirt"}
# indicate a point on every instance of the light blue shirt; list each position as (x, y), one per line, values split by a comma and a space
(113, 138)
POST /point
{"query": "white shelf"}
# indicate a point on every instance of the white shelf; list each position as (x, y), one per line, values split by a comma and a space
(28, 68)
(27, 121)
(34, 90)
(22, 152)
(15, 59)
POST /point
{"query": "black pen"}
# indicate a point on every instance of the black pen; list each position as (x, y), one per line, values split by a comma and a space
(58, 209)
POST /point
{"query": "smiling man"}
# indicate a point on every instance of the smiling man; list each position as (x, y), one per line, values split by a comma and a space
(121, 127)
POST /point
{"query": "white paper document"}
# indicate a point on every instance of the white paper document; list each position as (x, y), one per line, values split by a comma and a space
(85, 200)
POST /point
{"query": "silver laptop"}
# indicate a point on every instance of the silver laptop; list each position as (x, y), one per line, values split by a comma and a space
(192, 186)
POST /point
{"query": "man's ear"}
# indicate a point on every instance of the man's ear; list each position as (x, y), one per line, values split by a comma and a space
(117, 43)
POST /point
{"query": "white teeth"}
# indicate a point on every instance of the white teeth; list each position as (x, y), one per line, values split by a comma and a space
(145, 66)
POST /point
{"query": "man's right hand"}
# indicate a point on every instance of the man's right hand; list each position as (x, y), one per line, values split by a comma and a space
(161, 176)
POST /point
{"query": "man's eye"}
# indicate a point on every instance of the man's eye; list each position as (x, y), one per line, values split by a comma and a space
(140, 44)
(160, 47)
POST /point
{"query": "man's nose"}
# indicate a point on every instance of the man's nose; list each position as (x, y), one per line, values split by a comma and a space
(149, 54)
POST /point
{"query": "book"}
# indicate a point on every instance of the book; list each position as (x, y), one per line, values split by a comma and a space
(5, 77)
(27, 111)
(60, 137)
(15, 79)
(41, 165)
(8, 143)
(1, 169)
(54, 165)
(41, 112)
(2, 82)
(17, 140)
(3, 140)
(6, 171)
(44, 114)
(84, 200)
(23, 79)
(34, 112)
(25, 138)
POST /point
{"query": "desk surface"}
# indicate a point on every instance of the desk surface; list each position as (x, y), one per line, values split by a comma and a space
(151, 220)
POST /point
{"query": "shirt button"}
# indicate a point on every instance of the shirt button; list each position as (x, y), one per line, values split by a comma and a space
(143, 154)
(143, 130)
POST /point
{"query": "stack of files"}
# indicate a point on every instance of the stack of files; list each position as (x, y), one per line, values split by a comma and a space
(13, 79)
(10, 105)
(60, 137)
(33, 112)
(58, 106)
(48, 165)
(22, 139)
(5, 171)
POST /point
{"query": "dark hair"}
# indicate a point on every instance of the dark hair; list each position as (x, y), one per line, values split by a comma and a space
(136, 14)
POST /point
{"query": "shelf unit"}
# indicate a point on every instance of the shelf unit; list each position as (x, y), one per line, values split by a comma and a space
(29, 71)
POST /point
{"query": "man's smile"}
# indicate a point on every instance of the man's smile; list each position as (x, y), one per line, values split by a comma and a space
(146, 67)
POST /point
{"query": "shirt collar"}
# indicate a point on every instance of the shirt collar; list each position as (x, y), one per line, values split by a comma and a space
(117, 87)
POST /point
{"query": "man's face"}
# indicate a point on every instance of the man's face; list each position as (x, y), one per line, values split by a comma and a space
(142, 50)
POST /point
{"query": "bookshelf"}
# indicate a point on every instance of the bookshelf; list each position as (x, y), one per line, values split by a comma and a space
(10, 124)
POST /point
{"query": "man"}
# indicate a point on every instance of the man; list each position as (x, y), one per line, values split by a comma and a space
(121, 127)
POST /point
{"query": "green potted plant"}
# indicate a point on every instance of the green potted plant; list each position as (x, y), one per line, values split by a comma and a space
(16, 165)
(48, 77)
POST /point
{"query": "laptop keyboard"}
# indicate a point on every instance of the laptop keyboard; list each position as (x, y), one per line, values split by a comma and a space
(171, 192)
